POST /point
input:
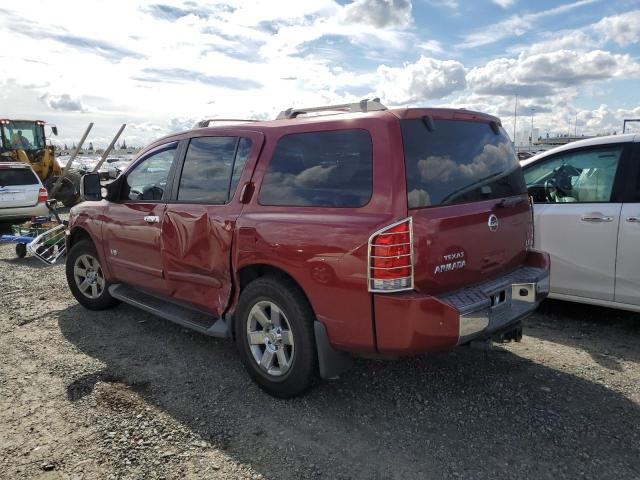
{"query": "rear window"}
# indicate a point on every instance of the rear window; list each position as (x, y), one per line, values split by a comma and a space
(458, 162)
(323, 169)
(17, 176)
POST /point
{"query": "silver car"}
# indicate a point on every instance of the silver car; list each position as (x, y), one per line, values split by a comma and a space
(22, 194)
(587, 216)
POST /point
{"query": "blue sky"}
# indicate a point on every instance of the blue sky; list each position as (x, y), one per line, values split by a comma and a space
(159, 66)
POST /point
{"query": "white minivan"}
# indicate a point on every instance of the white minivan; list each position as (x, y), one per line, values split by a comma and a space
(22, 194)
(587, 216)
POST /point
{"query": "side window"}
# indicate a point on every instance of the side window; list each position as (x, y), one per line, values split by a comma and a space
(244, 148)
(574, 177)
(148, 180)
(212, 169)
(325, 169)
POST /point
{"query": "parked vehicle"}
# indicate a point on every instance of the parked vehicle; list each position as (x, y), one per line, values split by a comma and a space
(587, 216)
(349, 229)
(22, 194)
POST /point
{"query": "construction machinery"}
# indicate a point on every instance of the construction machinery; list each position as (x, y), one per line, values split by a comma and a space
(25, 141)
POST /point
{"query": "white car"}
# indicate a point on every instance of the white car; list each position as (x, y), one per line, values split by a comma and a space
(22, 194)
(587, 216)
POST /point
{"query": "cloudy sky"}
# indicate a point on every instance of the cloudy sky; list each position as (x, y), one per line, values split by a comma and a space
(159, 67)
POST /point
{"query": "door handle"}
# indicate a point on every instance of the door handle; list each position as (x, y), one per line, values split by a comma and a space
(633, 219)
(596, 218)
(152, 219)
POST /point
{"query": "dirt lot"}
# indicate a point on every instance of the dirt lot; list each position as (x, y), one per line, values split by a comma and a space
(121, 394)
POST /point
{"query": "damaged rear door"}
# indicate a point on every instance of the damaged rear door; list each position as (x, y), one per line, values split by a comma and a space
(199, 223)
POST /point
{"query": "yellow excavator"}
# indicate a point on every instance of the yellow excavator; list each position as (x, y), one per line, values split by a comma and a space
(25, 141)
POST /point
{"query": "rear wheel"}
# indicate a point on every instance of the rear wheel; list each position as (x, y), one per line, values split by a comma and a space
(86, 277)
(274, 333)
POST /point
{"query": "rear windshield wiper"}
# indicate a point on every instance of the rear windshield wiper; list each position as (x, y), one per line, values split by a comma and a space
(478, 183)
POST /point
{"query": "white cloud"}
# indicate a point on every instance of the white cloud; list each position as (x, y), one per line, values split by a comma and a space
(379, 13)
(504, 3)
(542, 74)
(516, 25)
(63, 102)
(428, 78)
(623, 29)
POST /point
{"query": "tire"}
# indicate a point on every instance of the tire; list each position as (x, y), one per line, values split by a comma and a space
(21, 250)
(293, 343)
(69, 191)
(91, 291)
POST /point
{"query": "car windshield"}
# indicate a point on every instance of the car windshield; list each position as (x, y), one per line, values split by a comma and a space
(26, 135)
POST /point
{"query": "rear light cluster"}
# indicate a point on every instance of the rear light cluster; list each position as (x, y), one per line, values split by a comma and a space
(43, 196)
(391, 258)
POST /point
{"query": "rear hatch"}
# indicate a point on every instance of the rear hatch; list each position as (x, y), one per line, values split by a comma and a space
(467, 197)
(19, 186)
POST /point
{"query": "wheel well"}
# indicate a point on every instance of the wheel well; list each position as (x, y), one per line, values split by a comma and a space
(251, 272)
(78, 234)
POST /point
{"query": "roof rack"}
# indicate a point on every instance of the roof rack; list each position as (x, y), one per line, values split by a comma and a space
(208, 121)
(365, 105)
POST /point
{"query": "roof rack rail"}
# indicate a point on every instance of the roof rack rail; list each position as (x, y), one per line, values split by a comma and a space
(208, 121)
(365, 105)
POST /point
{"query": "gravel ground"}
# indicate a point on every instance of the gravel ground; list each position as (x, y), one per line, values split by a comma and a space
(122, 394)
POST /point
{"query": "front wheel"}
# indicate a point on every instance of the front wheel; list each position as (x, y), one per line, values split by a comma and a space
(274, 333)
(86, 279)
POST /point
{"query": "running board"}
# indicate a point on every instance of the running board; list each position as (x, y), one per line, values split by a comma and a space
(180, 314)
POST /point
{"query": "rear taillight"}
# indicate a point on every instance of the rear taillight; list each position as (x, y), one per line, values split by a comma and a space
(531, 230)
(391, 258)
(43, 196)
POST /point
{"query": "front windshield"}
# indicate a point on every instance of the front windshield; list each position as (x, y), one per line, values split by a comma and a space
(26, 135)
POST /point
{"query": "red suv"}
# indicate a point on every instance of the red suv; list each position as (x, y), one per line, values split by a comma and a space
(323, 234)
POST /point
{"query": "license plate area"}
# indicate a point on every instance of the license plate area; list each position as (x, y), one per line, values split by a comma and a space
(498, 298)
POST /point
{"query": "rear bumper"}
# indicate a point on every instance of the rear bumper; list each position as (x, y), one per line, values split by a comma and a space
(415, 323)
(14, 213)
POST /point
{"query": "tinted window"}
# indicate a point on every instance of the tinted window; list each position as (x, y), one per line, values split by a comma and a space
(457, 162)
(244, 148)
(148, 180)
(17, 176)
(583, 177)
(324, 169)
(210, 173)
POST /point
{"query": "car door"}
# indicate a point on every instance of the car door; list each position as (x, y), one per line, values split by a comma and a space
(198, 227)
(627, 288)
(132, 223)
(576, 216)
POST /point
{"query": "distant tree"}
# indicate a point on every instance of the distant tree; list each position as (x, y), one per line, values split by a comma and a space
(74, 146)
(90, 147)
(124, 145)
(65, 147)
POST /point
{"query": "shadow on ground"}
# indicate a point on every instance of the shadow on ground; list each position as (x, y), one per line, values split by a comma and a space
(609, 335)
(466, 413)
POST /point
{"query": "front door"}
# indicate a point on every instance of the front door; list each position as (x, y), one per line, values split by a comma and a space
(198, 226)
(576, 218)
(133, 242)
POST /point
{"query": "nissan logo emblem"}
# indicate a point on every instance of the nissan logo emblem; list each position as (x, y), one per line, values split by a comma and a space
(493, 222)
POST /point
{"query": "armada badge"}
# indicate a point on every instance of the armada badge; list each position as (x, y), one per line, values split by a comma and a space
(493, 223)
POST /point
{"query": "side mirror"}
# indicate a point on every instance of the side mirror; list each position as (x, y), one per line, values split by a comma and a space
(90, 188)
(54, 129)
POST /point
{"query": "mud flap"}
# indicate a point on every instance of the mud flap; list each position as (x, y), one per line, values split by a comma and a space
(331, 362)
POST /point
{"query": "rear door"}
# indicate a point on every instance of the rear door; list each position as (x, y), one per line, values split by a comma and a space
(132, 224)
(198, 227)
(627, 288)
(577, 214)
(19, 187)
(467, 198)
